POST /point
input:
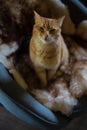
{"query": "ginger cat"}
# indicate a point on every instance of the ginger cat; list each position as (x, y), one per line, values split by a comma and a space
(48, 51)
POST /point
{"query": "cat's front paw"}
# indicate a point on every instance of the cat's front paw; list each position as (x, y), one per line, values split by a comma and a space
(43, 83)
(51, 74)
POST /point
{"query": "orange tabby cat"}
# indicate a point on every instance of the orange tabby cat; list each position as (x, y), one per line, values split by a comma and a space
(48, 51)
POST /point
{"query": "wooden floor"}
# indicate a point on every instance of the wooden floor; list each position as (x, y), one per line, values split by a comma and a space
(10, 122)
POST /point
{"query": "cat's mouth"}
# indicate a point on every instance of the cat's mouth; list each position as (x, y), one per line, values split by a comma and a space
(49, 40)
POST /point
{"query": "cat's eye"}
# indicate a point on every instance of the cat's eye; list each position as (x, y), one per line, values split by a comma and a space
(41, 29)
(53, 30)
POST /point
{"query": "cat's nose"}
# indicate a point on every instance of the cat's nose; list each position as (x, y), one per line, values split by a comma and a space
(46, 37)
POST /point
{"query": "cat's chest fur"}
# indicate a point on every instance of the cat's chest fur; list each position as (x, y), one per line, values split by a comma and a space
(45, 55)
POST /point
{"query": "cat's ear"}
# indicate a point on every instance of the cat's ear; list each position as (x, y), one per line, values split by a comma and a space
(37, 17)
(60, 21)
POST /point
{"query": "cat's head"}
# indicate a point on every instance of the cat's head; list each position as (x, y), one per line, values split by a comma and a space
(46, 29)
